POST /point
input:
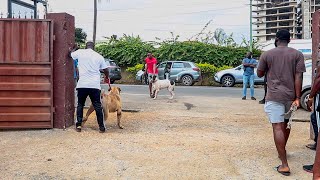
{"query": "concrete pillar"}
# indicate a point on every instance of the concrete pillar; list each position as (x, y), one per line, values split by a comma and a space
(63, 81)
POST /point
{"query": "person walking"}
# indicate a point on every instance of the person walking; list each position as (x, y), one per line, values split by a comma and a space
(151, 69)
(89, 65)
(248, 75)
(314, 106)
(284, 67)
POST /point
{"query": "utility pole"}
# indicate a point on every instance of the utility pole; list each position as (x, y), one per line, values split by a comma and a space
(251, 41)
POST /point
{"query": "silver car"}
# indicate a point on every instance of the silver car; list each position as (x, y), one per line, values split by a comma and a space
(230, 77)
(184, 72)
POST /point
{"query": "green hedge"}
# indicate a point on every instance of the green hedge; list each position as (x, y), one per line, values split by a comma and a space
(129, 51)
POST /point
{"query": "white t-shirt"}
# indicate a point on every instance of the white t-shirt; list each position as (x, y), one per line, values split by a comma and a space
(89, 64)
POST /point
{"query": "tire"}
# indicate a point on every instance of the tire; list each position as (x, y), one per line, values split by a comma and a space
(112, 81)
(228, 81)
(304, 99)
(187, 80)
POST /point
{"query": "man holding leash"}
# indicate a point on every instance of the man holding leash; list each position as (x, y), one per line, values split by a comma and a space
(152, 70)
(89, 65)
(284, 68)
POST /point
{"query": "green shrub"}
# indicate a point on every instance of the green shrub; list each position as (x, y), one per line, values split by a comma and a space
(207, 68)
(129, 51)
(135, 68)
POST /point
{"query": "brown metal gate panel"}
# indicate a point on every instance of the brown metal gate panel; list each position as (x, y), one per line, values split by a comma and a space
(26, 74)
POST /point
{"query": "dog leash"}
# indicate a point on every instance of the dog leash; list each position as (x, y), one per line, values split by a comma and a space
(292, 110)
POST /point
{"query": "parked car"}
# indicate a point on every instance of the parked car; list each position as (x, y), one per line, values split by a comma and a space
(230, 77)
(184, 72)
(114, 71)
(306, 84)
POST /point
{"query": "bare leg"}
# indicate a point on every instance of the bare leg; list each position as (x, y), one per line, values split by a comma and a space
(279, 134)
(287, 132)
(90, 110)
(119, 114)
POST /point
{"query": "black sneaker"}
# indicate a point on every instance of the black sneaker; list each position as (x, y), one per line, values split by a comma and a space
(308, 168)
(253, 98)
(102, 130)
(78, 128)
(244, 98)
(263, 101)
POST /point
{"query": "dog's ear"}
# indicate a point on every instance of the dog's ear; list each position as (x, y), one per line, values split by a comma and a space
(119, 89)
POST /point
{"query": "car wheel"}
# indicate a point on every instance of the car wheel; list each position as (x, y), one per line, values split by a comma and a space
(187, 80)
(112, 81)
(304, 98)
(228, 81)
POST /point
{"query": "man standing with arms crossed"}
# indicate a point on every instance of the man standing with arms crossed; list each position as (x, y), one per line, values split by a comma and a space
(151, 69)
(89, 65)
(284, 69)
(248, 75)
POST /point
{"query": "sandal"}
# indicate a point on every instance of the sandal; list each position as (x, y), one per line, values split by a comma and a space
(285, 173)
(312, 146)
(308, 168)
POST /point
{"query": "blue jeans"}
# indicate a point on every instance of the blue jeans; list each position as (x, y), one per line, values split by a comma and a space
(248, 79)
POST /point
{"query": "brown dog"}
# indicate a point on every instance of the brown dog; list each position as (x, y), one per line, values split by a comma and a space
(111, 102)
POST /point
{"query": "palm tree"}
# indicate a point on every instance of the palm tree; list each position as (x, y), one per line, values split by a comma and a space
(95, 14)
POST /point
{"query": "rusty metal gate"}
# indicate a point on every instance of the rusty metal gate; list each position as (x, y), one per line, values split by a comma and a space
(26, 82)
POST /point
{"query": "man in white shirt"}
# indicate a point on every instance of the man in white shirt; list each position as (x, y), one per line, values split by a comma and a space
(89, 65)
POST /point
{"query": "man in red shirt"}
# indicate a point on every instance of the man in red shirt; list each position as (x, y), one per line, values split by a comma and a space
(151, 69)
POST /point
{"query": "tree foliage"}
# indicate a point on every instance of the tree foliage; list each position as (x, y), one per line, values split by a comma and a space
(80, 36)
(129, 51)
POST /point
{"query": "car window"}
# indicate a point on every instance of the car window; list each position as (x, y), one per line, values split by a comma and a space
(308, 65)
(108, 63)
(162, 65)
(112, 63)
(187, 65)
(178, 65)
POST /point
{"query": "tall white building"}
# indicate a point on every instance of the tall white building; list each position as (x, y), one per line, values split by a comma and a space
(273, 15)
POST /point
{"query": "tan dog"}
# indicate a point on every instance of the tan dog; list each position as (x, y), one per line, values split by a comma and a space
(111, 102)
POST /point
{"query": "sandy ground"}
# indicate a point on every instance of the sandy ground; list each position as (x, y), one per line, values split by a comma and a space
(184, 138)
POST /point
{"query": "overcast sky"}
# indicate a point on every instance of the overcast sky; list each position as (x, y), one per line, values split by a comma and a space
(157, 18)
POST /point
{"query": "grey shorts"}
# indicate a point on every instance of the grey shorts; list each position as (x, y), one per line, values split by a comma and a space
(276, 111)
(150, 76)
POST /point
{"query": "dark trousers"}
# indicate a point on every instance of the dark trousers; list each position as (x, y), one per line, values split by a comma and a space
(94, 95)
(314, 126)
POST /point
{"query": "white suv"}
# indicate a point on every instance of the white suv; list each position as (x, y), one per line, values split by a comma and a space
(306, 84)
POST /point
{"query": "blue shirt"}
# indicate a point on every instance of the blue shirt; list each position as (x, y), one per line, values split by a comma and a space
(75, 63)
(247, 71)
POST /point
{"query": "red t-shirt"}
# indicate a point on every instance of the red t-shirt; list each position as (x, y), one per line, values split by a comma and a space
(150, 63)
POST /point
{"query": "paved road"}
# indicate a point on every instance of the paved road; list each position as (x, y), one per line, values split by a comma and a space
(192, 91)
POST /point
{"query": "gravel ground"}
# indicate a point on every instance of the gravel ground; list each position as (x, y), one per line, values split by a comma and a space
(184, 138)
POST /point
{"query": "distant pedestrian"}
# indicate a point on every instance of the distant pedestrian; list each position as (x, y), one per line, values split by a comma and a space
(284, 69)
(151, 69)
(248, 75)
